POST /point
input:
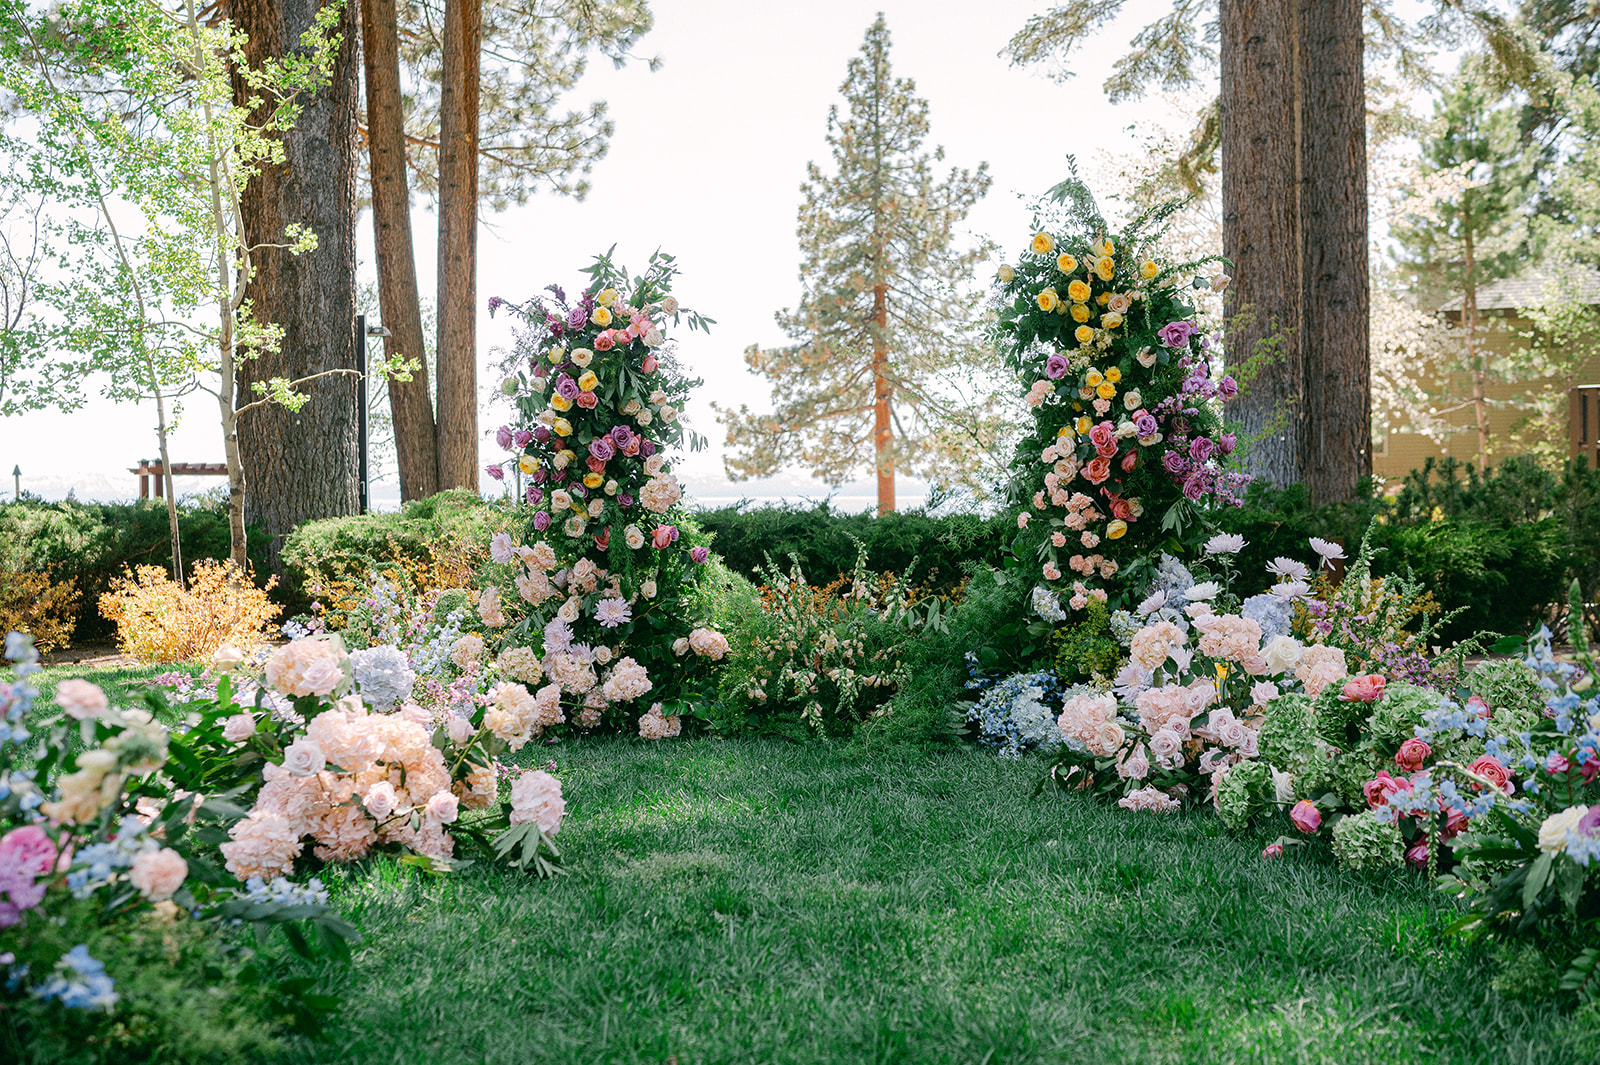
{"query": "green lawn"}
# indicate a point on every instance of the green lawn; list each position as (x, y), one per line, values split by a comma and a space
(762, 902)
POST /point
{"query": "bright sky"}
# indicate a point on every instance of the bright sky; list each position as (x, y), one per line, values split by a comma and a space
(706, 163)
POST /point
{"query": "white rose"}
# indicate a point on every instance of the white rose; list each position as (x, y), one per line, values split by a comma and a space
(239, 728)
(458, 728)
(1553, 833)
(303, 757)
(380, 800)
(1282, 653)
(225, 658)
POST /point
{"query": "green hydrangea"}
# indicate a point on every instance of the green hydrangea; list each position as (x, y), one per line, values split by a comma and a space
(1394, 718)
(1361, 841)
(1506, 685)
(1288, 741)
(1244, 791)
(1337, 721)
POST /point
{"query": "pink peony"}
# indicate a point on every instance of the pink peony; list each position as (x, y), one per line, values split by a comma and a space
(158, 874)
(1412, 755)
(1367, 688)
(536, 797)
(1306, 817)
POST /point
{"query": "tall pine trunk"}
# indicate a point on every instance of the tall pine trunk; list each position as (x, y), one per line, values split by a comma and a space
(457, 355)
(410, 403)
(303, 466)
(1261, 228)
(882, 435)
(1333, 215)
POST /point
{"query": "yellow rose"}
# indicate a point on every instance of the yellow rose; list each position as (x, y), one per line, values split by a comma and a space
(1065, 430)
(1093, 378)
(1116, 530)
(1106, 390)
(1084, 334)
(561, 427)
(1110, 321)
(1085, 423)
(1105, 269)
(1005, 274)
(1080, 313)
(1066, 263)
(1114, 375)
(1043, 244)
(1078, 292)
(1148, 269)
(557, 356)
(588, 381)
(1103, 299)
(607, 298)
(1047, 300)
(593, 480)
(601, 317)
(560, 403)
(527, 464)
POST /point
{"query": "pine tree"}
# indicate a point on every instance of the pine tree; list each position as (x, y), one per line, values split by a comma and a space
(886, 368)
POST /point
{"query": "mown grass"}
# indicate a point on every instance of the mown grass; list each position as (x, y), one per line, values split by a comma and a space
(122, 683)
(762, 902)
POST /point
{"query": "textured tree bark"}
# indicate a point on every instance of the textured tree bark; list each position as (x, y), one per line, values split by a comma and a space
(409, 401)
(1477, 357)
(457, 352)
(303, 466)
(1261, 230)
(882, 436)
(1333, 215)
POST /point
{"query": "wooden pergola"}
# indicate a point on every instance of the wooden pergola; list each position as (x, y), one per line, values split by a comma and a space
(147, 470)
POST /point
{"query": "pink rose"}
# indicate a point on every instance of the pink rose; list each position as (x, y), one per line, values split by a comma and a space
(604, 341)
(1104, 436)
(1488, 766)
(1121, 510)
(1129, 461)
(1379, 788)
(1306, 817)
(1412, 754)
(663, 536)
(649, 364)
(1098, 471)
(1273, 850)
(1455, 823)
(443, 808)
(1367, 688)
(1417, 854)
(239, 728)
(587, 400)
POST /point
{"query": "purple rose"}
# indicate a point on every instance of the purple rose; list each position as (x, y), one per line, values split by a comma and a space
(1227, 442)
(1194, 487)
(559, 477)
(502, 437)
(647, 447)
(579, 490)
(542, 434)
(496, 472)
(535, 494)
(621, 435)
(539, 475)
(1175, 463)
(625, 500)
(577, 317)
(521, 439)
(1145, 425)
(701, 553)
(1055, 367)
(1590, 823)
(1228, 387)
(567, 387)
(541, 520)
(1200, 448)
(602, 448)
(1177, 334)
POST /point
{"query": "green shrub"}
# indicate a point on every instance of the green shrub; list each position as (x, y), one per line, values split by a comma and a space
(90, 544)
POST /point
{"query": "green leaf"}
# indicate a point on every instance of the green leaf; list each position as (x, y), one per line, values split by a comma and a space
(1538, 876)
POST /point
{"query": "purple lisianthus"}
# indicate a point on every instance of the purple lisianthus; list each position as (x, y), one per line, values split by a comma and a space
(602, 448)
(567, 387)
(577, 317)
(494, 470)
(1200, 448)
(502, 437)
(521, 439)
(1177, 334)
(621, 435)
(1145, 425)
(1055, 367)
(700, 553)
(1228, 387)
(541, 520)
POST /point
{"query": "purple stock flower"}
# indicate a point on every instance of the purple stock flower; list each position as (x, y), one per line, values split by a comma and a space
(521, 438)
(602, 448)
(541, 520)
(1228, 387)
(1177, 334)
(1055, 367)
(494, 470)
(1200, 448)
(502, 437)
(567, 387)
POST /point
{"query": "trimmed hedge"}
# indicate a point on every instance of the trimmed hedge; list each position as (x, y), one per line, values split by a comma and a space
(88, 544)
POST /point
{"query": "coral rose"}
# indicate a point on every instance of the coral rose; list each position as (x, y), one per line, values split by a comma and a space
(1412, 755)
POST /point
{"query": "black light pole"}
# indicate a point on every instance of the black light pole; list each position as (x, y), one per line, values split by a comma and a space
(361, 406)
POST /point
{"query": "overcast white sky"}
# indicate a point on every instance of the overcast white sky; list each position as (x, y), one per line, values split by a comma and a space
(706, 163)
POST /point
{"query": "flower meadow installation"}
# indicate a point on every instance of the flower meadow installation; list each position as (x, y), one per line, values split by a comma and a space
(1127, 442)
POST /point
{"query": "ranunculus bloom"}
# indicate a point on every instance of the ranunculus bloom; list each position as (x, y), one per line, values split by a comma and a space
(1306, 817)
(1367, 688)
(1412, 755)
(1490, 768)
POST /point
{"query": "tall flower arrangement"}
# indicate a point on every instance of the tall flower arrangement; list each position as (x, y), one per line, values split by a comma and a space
(1127, 444)
(595, 600)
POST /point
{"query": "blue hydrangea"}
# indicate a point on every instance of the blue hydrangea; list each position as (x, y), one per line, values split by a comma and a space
(1018, 713)
(384, 675)
(286, 892)
(80, 982)
(1047, 605)
(1272, 612)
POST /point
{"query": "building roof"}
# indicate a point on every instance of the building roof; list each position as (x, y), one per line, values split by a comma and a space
(1530, 290)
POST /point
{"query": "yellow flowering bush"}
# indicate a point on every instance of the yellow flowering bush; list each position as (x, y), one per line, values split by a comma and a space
(159, 621)
(34, 604)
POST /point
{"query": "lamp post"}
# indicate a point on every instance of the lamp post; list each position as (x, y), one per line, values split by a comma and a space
(16, 481)
(363, 331)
